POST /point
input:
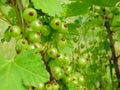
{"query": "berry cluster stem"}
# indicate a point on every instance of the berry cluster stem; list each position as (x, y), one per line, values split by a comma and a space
(20, 8)
(47, 67)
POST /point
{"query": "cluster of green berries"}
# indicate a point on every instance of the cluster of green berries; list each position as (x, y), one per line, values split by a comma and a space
(62, 68)
(61, 64)
(30, 37)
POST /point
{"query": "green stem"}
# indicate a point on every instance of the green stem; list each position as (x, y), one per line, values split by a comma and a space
(14, 6)
(27, 3)
(20, 8)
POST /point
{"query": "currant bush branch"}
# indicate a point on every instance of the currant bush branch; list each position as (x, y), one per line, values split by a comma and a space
(47, 67)
(114, 57)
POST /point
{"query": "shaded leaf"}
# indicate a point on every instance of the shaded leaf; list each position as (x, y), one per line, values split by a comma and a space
(7, 36)
(106, 3)
(94, 22)
(73, 29)
(77, 8)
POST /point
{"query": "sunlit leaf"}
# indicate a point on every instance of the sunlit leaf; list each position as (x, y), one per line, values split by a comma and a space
(26, 70)
(51, 7)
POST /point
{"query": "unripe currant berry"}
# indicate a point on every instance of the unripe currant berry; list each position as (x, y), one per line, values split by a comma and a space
(60, 58)
(68, 69)
(52, 52)
(62, 42)
(34, 37)
(55, 23)
(82, 62)
(21, 44)
(67, 59)
(30, 14)
(36, 25)
(28, 30)
(37, 46)
(14, 31)
(81, 79)
(57, 72)
(46, 30)
(48, 87)
(40, 87)
(64, 28)
(55, 86)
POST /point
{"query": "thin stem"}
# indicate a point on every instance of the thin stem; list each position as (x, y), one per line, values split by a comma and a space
(20, 8)
(27, 3)
(15, 7)
(3, 19)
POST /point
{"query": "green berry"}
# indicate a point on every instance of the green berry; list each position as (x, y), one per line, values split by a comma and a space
(21, 44)
(55, 23)
(36, 25)
(30, 14)
(14, 31)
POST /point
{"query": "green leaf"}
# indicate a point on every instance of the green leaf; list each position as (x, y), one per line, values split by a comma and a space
(7, 36)
(77, 8)
(11, 13)
(115, 21)
(94, 22)
(45, 39)
(106, 45)
(73, 29)
(51, 7)
(26, 70)
(106, 3)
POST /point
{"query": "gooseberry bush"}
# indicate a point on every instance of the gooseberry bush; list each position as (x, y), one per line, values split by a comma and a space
(60, 45)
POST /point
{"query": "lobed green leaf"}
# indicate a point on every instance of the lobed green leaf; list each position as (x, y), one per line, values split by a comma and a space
(26, 70)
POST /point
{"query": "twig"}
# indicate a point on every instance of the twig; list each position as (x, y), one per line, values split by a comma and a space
(47, 67)
(114, 57)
